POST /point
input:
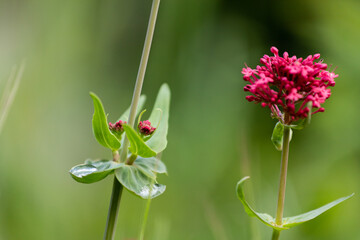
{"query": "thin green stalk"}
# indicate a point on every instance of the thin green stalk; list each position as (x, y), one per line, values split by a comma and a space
(113, 210)
(147, 208)
(146, 214)
(9, 93)
(141, 72)
(117, 187)
(282, 187)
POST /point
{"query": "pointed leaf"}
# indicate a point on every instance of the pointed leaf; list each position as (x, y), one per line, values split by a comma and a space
(263, 217)
(133, 179)
(137, 144)
(299, 219)
(93, 171)
(277, 136)
(100, 126)
(158, 140)
(125, 115)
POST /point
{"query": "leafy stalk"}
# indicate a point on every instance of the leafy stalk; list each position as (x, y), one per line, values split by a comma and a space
(280, 223)
(282, 187)
(117, 187)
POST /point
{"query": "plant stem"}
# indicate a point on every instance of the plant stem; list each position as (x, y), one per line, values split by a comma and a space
(113, 210)
(9, 93)
(141, 72)
(146, 214)
(275, 235)
(282, 187)
(117, 187)
(147, 208)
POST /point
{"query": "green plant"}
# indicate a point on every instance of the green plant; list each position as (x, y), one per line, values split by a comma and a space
(136, 150)
(293, 89)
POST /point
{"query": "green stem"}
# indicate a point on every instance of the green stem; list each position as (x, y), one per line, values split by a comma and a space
(113, 210)
(117, 187)
(9, 93)
(275, 235)
(141, 72)
(146, 214)
(282, 187)
(147, 208)
(131, 159)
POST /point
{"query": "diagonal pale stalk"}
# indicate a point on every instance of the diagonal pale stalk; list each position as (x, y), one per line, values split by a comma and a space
(282, 187)
(142, 70)
(9, 93)
(145, 217)
(117, 187)
(147, 209)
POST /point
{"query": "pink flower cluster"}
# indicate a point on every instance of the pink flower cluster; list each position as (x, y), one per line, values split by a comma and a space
(117, 127)
(145, 128)
(288, 84)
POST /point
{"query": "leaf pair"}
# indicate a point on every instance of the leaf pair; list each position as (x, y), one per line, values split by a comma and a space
(139, 178)
(158, 141)
(278, 132)
(289, 221)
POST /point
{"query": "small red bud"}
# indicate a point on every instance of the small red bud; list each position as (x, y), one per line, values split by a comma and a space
(145, 128)
(117, 127)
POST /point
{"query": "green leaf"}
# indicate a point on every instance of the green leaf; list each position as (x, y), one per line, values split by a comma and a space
(158, 140)
(137, 144)
(136, 181)
(125, 115)
(100, 126)
(93, 171)
(263, 217)
(153, 164)
(277, 136)
(299, 219)
(288, 222)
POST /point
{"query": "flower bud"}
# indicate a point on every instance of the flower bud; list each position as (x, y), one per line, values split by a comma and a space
(145, 128)
(117, 127)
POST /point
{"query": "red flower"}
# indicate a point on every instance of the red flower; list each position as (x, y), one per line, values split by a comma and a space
(117, 127)
(145, 128)
(286, 84)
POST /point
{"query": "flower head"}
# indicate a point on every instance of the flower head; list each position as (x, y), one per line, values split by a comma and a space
(287, 84)
(117, 127)
(145, 128)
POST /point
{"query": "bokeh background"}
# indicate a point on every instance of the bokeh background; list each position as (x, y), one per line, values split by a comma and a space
(215, 136)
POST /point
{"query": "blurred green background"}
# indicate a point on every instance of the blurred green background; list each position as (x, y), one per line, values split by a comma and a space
(215, 136)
